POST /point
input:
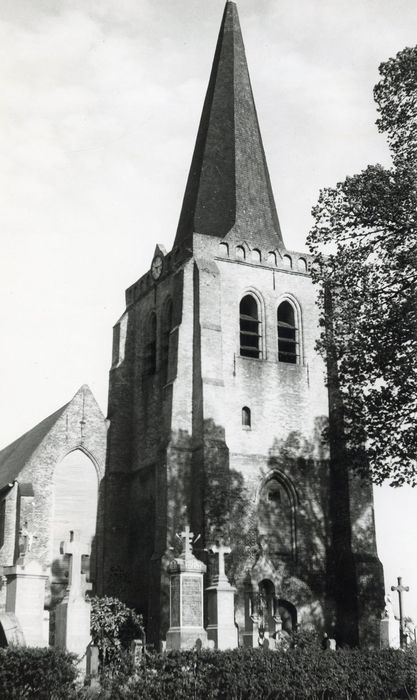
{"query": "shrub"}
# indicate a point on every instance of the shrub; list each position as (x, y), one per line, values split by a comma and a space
(113, 626)
(41, 674)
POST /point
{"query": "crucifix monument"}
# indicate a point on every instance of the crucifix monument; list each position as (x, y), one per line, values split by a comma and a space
(186, 598)
(400, 590)
(221, 626)
(72, 623)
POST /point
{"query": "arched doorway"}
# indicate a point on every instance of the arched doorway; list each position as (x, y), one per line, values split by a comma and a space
(75, 488)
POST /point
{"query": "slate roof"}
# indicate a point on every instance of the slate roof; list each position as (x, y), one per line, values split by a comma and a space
(14, 457)
(228, 182)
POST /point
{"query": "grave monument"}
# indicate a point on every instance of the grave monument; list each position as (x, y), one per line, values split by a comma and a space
(221, 626)
(72, 622)
(186, 599)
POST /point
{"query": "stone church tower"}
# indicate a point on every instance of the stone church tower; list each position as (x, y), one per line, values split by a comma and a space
(218, 402)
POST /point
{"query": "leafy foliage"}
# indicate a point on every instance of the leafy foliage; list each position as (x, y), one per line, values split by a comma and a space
(250, 674)
(364, 241)
(113, 626)
(38, 674)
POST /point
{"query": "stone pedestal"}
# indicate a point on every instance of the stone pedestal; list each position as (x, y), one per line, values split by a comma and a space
(221, 615)
(221, 627)
(390, 633)
(72, 625)
(25, 598)
(186, 611)
(186, 629)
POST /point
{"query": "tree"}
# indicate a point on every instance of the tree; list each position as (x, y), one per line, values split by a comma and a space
(364, 243)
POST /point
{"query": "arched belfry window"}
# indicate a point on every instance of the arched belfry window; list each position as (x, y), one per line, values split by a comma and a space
(287, 333)
(150, 346)
(250, 327)
(246, 418)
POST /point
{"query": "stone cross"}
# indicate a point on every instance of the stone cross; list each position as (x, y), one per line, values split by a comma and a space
(221, 550)
(187, 536)
(75, 548)
(400, 590)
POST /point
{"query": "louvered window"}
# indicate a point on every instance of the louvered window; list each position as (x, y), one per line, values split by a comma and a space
(287, 334)
(250, 328)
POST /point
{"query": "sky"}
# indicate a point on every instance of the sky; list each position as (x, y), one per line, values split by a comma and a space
(99, 109)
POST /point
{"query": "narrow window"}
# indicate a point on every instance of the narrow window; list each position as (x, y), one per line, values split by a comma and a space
(249, 327)
(256, 255)
(2, 521)
(150, 347)
(166, 332)
(116, 344)
(286, 259)
(246, 417)
(287, 334)
(224, 249)
(240, 252)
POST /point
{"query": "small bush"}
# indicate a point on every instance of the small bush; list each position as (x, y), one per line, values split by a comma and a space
(35, 673)
(113, 626)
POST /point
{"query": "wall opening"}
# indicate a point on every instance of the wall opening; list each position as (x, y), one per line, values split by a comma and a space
(75, 494)
(250, 327)
(246, 417)
(287, 333)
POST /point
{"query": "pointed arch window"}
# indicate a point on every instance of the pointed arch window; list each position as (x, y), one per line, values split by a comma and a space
(276, 519)
(250, 327)
(150, 347)
(287, 334)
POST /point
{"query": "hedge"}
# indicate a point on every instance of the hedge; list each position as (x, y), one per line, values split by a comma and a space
(250, 674)
(28, 673)
(241, 674)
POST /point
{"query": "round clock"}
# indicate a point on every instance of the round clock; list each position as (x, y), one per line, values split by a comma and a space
(156, 267)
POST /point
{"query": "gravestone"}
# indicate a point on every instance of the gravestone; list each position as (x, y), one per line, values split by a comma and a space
(25, 598)
(221, 628)
(72, 618)
(137, 651)
(92, 666)
(11, 633)
(186, 629)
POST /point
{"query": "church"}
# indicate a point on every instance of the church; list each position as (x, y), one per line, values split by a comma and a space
(218, 404)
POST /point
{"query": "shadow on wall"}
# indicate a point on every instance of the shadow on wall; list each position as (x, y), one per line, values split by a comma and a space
(290, 525)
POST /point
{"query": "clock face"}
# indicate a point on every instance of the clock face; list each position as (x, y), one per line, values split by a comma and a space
(156, 268)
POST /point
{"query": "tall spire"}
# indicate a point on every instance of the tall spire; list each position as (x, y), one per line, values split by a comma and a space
(228, 186)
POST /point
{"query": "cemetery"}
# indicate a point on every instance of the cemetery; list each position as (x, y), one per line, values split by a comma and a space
(101, 649)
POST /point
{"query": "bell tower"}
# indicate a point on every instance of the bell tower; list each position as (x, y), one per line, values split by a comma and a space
(218, 401)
